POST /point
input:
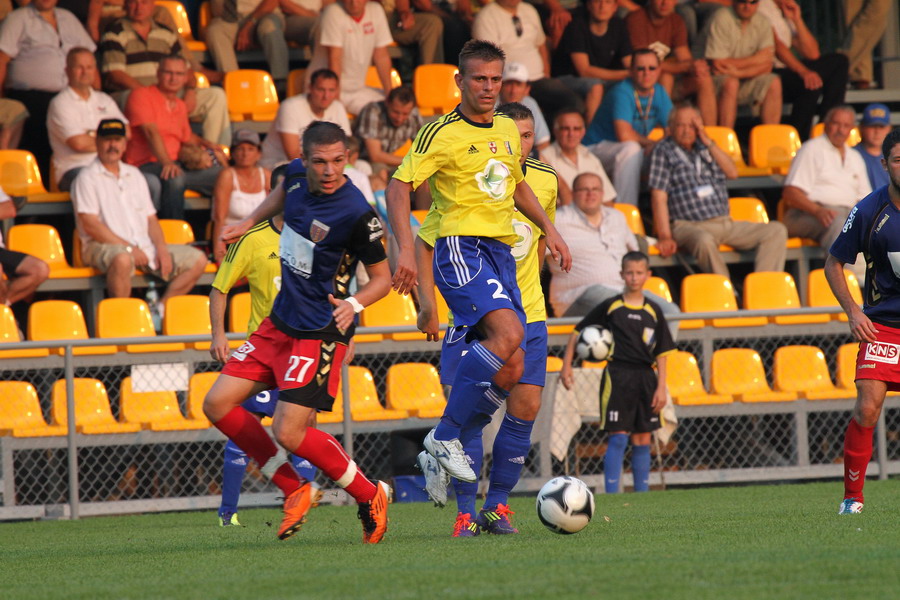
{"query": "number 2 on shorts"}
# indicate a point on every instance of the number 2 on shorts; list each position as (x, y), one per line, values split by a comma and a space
(498, 293)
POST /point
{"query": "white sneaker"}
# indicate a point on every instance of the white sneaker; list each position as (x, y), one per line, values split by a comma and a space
(436, 478)
(850, 506)
(451, 456)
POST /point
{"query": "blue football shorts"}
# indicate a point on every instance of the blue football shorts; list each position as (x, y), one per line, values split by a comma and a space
(456, 344)
(263, 403)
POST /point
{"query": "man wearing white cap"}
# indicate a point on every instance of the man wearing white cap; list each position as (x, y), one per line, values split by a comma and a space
(517, 89)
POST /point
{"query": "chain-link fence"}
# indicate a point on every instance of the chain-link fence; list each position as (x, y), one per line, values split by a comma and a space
(775, 410)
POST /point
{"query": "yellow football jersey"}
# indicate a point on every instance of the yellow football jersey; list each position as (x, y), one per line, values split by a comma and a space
(542, 180)
(472, 170)
(254, 256)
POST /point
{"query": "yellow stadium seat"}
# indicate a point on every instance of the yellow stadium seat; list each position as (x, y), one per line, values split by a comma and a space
(802, 369)
(818, 292)
(239, 314)
(180, 16)
(819, 128)
(9, 334)
(748, 209)
(773, 290)
(20, 415)
(156, 411)
(658, 286)
(392, 310)
(364, 404)
(685, 383)
(130, 317)
(435, 88)
(92, 410)
(589, 364)
(415, 388)
(794, 242)
(295, 82)
(726, 139)
(199, 385)
(403, 150)
(372, 79)
(204, 15)
(709, 292)
(739, 372)
(251, 95)
(846, 367)
(632, 217)
(42, 241)
(202, 81)
(337, 409)
(19, 176)
(773, 147)
(420, 215)
(176, 231)
(554, 364)
(656, 134)
(188, 315)
(61, 320)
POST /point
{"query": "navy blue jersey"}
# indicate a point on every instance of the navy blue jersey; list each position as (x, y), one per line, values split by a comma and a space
(873, 228)
(323, 239)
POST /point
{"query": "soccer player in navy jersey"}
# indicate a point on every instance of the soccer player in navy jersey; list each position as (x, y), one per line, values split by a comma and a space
(873, 228)
(328, 228)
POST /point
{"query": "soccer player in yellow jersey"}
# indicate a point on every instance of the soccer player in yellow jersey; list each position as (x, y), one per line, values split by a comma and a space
(470, 158)
(513, 440)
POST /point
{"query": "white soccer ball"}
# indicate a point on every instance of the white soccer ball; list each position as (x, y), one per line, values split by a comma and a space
(594, 343)
(565, 505)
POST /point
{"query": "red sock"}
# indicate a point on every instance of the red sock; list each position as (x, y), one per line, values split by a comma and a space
(325, 452)
(244, 430)
(857, 454)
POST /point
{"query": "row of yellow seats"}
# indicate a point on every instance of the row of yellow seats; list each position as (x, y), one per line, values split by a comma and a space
(738, 374)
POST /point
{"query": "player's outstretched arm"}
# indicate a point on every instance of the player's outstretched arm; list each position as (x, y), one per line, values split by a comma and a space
(271, 206)
(428, 320)
(528, 205)
(860, 326)
(378, 286)
(397, 198)
(219, 348)
(565, 374)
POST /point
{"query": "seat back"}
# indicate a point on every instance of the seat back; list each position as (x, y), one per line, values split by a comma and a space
(148, 407)
(392, 310)
(179, 16)
(363, 394)
(709, 292)
(683, 375)
(40, 241)
(846, 365)
(295, 82)
(198, 387)
(187, 315)
(21, 407)
(632, 217)
(435, 88)
(91, 403)
(19, 173)
(56, 320)
(776, 289)
(9, 334)
(239, 314)
(176, 231)
(726, 139)
(251, 95)
(373, 81)
(124, 317)
(801, 369)
(818, 292)
(658, 286)
(414, 386)
(773, 146)
(656, 134)
(738, 371)
(748, 209)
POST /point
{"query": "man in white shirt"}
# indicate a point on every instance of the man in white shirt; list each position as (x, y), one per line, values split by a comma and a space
(826, 179)
(73, 117)
(354, 34)
(569, 157)
(118, 226)
(320, 103)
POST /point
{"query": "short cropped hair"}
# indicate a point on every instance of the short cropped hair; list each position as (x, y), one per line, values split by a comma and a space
(70, 57)
(839, 108)
(479, 50)
(322, 133)
(892, 139)
(570, 110)
(322, 74)
(635, 256)
(516, 111)
(403, 94)
(643, 52)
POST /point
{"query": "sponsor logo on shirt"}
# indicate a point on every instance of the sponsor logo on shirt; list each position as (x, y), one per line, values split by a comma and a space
(494, 179)
(866, 367)
(849, 222)
(375, 230)
(242, 352)
(882, 222)
(883, 352)
(473, 149)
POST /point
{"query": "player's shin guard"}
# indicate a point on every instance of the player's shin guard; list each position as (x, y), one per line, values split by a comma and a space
(511, 448)
(857, 454)
(244, 430)
(234, 466)
(484, 411)
(466, 491)
(323, 451)
(612, 461)
(640, 467)
(473, 377)
(304, 468)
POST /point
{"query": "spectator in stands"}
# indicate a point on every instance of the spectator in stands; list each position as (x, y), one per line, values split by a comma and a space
(658, 27)
(618, 135)
(422, 29)
(239, 188)
(594, 51)
(301, 17)
(130, 53)
(354, 34)
(34, 41)
(457, 17)
(23, 273)
(825, 180)
(387, 126)
(813, 78)
(74, 115)
(516, 27)
(319, 103)
(516, 89)
(603, 238)
(740, 47)
(866, 21)
(690, 201)
(118, 225)
(569, 157)
(873, 128)
(100, 13)
(160, 133)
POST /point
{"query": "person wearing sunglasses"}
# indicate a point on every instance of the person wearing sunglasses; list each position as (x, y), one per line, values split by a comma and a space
(740, 48)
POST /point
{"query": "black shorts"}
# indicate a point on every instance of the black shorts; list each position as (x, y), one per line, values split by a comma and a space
(10, 259)
(626, 399)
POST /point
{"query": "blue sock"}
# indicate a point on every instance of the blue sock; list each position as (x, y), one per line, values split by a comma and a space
(473, 376)
(466, 491)
(640, 467)
(511, 448)
(612, 461)
(233, 468)
(304, 468)
(484, 411)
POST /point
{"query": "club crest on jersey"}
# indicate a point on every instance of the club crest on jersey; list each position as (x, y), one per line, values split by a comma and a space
(508, 148)
(318, 230)
(493, 147)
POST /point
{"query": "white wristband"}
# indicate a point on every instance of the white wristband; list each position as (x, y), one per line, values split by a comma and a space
(357, 307)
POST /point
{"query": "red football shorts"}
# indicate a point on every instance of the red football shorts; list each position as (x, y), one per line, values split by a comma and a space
(881, 360)
(306, 372)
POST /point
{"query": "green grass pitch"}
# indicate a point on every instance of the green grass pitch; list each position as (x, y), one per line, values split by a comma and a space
(775, 541)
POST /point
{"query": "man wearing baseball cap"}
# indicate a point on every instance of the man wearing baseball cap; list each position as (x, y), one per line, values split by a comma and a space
(517, 89)
(873, 128)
